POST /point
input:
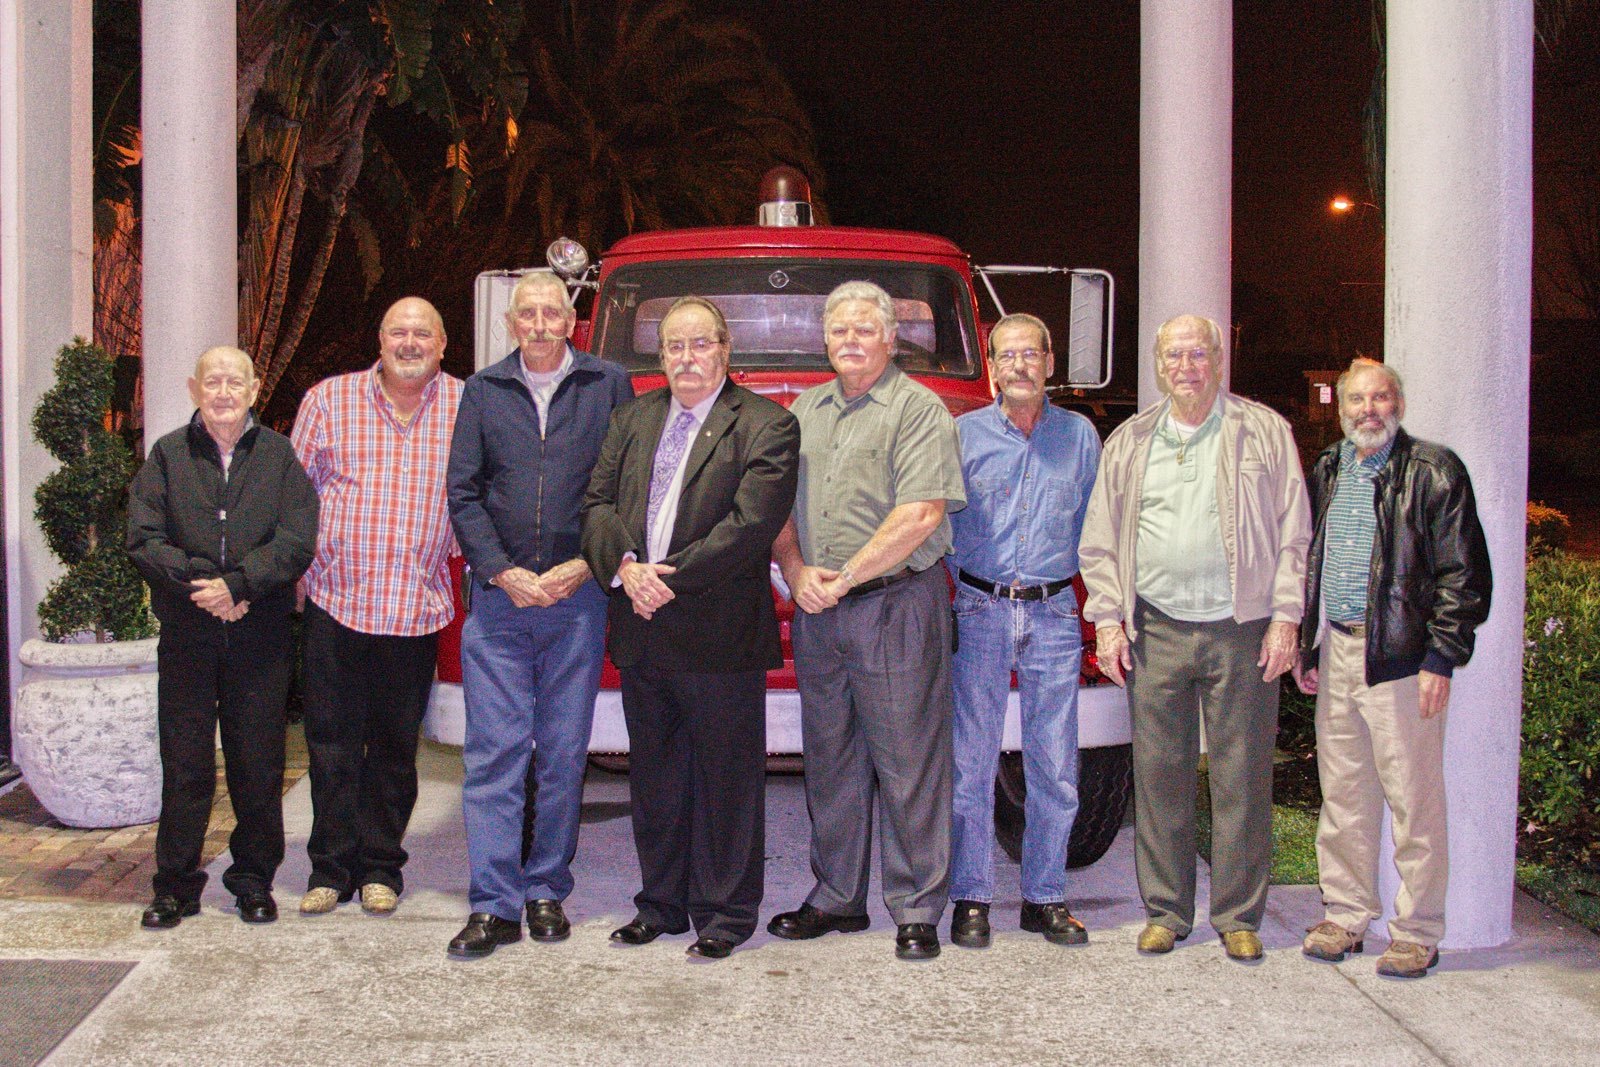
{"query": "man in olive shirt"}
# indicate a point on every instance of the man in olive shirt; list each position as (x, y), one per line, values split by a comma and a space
(879, 467)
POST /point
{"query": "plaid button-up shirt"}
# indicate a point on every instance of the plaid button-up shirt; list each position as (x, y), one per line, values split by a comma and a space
(383, 537)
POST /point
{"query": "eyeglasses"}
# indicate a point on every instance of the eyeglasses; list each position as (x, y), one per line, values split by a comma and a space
(1031, 356)
(1198, 357)
(700, 346)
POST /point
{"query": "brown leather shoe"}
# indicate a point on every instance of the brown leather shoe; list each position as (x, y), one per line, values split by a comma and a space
(1157, 939)
(1242, 945)
(1330, 942)
(1407, 959)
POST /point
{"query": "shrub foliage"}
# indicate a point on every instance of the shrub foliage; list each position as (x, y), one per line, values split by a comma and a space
(1560, 795)
(82, 507)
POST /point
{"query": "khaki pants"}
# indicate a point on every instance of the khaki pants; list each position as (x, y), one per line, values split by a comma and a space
(1374, 745)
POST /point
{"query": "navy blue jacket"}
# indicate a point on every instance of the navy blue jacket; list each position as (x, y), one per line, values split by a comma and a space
(515, 493)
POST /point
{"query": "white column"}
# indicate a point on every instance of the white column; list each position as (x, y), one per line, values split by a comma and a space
(1185, 168)
(1459, 215)
(191, 273)
(46, 259)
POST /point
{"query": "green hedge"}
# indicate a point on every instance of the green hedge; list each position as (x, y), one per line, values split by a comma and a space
(1560, 795)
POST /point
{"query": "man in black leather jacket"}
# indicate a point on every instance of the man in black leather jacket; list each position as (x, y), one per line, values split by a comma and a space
(1397, 581)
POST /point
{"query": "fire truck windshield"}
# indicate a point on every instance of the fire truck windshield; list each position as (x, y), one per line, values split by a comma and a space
(774, 311)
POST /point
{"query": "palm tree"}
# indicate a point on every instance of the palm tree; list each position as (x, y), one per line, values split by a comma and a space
(311, 74)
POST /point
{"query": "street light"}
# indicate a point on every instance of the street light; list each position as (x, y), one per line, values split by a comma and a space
(1339, 205)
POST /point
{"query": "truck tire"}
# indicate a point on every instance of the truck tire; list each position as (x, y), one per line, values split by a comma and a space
(1105, 785)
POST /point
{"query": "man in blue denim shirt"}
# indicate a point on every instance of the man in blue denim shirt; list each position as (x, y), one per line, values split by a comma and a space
(527, 435)
(1028, 469)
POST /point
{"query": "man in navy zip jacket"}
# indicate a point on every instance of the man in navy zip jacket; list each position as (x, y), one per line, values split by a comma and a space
(527, 435)
(222, 521)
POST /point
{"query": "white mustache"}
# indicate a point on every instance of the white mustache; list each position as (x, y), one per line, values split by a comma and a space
(543, 337)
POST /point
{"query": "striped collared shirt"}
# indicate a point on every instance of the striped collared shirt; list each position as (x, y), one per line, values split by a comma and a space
(383, 537)
(1352, 524)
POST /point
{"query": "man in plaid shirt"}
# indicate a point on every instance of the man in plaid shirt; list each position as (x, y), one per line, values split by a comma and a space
(375, 443)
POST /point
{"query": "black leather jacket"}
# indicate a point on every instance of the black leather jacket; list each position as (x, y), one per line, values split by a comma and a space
(1428, 589)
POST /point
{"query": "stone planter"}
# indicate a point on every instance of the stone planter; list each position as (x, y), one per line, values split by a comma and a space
(84, 731)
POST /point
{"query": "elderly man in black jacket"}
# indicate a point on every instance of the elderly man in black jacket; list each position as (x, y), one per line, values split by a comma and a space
(1397, 581)
(222, 521)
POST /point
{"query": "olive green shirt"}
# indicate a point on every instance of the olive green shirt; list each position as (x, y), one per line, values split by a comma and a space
(860, 459)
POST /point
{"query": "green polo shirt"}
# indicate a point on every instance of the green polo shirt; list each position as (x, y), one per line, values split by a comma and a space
(1181, 562)
(860, 459)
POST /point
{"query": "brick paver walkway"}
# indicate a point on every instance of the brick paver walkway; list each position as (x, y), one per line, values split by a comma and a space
(42, 859)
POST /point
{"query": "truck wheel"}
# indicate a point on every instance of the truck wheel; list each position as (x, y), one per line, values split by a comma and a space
(1105, 785)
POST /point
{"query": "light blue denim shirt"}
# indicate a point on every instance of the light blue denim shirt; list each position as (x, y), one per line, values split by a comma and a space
(1026, 495)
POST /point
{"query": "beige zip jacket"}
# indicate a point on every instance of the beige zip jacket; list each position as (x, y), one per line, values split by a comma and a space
(1261, 497)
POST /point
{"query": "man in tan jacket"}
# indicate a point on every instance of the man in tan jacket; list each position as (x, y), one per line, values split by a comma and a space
(1194, 553)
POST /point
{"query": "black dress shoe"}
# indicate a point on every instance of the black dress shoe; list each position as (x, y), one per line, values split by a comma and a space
(257, 908)
(639, 932)
(969, 924)
(167, 911)
(482, 935)
(807, 922)
(710, 948)
(1055, 922)
(546, 921)
(917, 941)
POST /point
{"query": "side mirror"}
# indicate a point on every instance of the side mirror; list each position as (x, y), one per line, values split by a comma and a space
(1085, 353)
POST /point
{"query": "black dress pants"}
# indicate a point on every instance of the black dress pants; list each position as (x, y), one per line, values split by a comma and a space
(697, 774)
(364, 702)
(237, 676)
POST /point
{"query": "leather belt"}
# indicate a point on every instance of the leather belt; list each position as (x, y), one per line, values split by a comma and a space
(872, 585)
(1349, 629)
(1014, 592)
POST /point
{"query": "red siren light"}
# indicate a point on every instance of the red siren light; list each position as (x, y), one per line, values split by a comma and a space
(785, 198)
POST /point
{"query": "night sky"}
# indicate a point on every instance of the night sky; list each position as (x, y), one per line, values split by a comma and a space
(1013, 128)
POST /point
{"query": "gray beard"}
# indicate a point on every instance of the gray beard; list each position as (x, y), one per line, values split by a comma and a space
(1370, 440)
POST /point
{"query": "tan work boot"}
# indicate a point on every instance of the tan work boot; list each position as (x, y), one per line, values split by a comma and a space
(1156, 939)
(378, 899)
(1331, 942)
(1242, 945)
(1407, 959)
(319, 901)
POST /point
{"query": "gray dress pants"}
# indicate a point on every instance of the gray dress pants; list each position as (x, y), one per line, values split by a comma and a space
(875, 714)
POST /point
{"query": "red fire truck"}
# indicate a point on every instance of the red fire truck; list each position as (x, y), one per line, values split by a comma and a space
(770, 280)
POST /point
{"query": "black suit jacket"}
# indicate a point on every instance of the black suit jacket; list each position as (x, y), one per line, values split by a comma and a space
(738, 489)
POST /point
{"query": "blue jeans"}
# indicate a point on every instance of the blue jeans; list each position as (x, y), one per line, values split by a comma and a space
(530, 677)
(1042, 642)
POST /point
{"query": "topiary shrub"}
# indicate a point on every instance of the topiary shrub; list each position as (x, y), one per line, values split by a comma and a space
(82, 506)
(1560, 776)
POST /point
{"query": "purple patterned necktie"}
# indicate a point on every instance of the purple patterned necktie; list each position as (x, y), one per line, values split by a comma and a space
(668, 453)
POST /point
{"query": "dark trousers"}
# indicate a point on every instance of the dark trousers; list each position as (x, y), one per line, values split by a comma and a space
(697, 774)
(365, 697)
(876, 705)
(1181, 671)
(239, 682)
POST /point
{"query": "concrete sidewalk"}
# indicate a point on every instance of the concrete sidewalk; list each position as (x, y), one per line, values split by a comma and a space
(348, 988)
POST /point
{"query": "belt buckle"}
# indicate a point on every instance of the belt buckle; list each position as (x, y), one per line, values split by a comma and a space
(1012, 592)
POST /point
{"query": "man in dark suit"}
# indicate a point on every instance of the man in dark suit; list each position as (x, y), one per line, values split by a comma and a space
(693, 484)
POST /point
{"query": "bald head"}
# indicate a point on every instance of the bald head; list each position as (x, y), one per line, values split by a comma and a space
(224, 388)
(411, 341)
(225, 357)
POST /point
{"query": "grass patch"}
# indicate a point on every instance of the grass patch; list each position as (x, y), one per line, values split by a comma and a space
(1294, 839)
(1568, 890)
